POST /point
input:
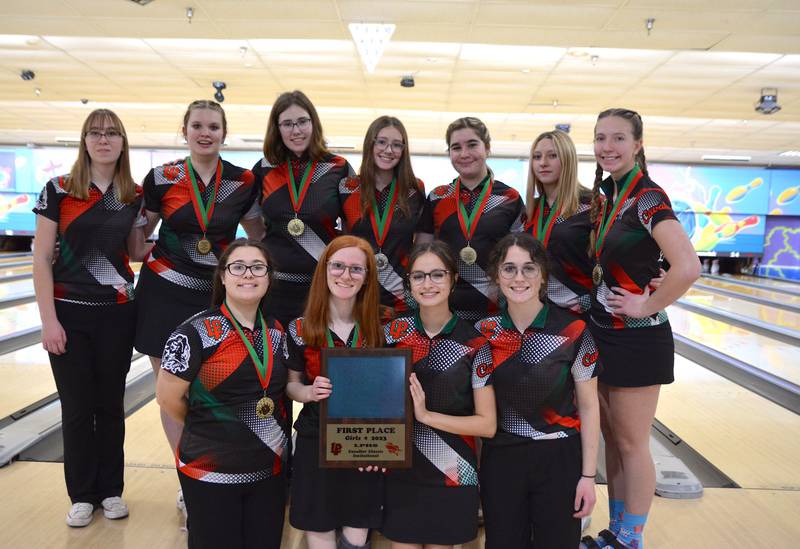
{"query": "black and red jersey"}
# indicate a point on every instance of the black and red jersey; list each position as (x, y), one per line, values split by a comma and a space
(399, 237)
(168, 191)
(295, 257)
(92, 266)
(569, 282)
(305, 359)
(629, 255)
(223, 440)
(446, 366)
(475, 296)
(534, 374)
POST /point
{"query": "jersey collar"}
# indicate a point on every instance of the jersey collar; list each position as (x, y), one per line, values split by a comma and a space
(447, 329)
(538, 322)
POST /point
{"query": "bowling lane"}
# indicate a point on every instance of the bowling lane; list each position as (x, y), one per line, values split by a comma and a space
(752, 440)
(12, 271)
(771, 315)
(145, 442)
(25, 377)
(769, 282)
(17, 288)
(749, 290)
(768, 354)
(19, 317)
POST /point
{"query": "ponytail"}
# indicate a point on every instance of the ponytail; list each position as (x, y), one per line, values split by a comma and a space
(594, 212)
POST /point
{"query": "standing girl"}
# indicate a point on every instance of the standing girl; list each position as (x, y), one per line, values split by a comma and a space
(86, 304)
(223, 377)
(471, 215)
(435, 503)
(383, 205)
(635, 225)
(342, 311)
(299, 183)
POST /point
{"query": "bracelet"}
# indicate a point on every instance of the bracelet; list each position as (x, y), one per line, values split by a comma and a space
(588, 476)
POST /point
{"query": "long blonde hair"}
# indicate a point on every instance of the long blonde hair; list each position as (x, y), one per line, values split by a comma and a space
(568, 191)
(80, 176)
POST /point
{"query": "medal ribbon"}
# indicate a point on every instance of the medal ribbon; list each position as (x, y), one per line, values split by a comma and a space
(263, 367)
(202, 211)
(606, 223)
(542, 231)
(470, 222)
(381, 223)
(298, 195)
(356, 337)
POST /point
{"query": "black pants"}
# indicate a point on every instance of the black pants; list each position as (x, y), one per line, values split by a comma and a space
(235, 516)
(529, 489)
(90, 378)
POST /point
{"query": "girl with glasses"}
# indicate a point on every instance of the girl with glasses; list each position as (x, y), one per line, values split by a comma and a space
(435, 503)
(86, 304)
(299, 182)
(383, 205)
(199, 202)
(342, 311)
(471, 214)
(222, 378)
(537, 473)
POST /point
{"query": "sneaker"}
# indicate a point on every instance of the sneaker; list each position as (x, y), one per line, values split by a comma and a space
(114, 508)
(80, 514)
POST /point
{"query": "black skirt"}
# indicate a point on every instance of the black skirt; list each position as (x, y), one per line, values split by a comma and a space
(635, 357)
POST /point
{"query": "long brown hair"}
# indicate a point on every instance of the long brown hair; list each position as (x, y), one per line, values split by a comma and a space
(528, 243)
(218, 288)
(637, 129)
(275, 150)
(568, 189)
(365, 311)
(77, 183)
(403, 172)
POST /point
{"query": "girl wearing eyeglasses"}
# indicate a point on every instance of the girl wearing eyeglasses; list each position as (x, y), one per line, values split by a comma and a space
(199, 201)
(384, 205)
(537, 473)
(342, 311)
(435, 503)
(222, 377)
(299, 184)
(86, 304)
(471, 215)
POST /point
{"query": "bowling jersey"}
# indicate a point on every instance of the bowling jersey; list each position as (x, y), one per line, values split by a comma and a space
(629, 256)
(534, 374)
(295, 257)
(223, 440)
(569, 283)
(168, 191)
(446, 367)
(399, 238)
(305, 359)
(475, 295)
(92, 264)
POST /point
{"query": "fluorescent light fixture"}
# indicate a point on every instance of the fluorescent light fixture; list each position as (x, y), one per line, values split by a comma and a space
(790, 153)
(68, 140)
(371, 40)
(725, 158)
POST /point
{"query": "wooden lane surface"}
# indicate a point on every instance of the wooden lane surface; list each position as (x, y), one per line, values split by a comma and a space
(755, 292)
(770, 355)
(752, 440)
(10, 271)
(770, 315)
(769, 282)
(25, 377)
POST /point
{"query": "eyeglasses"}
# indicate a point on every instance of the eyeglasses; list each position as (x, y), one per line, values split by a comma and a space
(438, 276)
(510, 270)
(396, 146)
(258, 270)
(337, 268)
(289, 125)
(111, 135)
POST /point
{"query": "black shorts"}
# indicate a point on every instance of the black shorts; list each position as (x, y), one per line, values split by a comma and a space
(635, 357)
(163, 306)
(441, 515)
(326, 499)
(529, 489)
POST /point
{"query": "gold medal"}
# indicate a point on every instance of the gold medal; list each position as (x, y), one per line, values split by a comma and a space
(204, 246)
(468, 255)
(264, 408)
(381, 261)
(597, 274)
(296, 227)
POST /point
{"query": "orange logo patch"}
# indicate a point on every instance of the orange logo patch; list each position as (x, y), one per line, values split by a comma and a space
(398, 328)
(488, 328)
(213, 328)
(589, 358)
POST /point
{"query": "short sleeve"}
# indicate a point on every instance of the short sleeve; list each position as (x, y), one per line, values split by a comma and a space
(183, 353)
(47, 203)
(482, 367)
(294, 347)
(586, 364)
(152, 199)
(653, 207)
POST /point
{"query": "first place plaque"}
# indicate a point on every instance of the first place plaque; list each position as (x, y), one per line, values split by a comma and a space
(368, 419)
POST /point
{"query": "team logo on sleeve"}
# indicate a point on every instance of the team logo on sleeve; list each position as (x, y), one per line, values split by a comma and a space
(213, 328)
(398, 329)
(589, 358)
(176, 354)
(488, 328)
(484, 370)
(171, 172)
(41, 203)
(648, 214)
